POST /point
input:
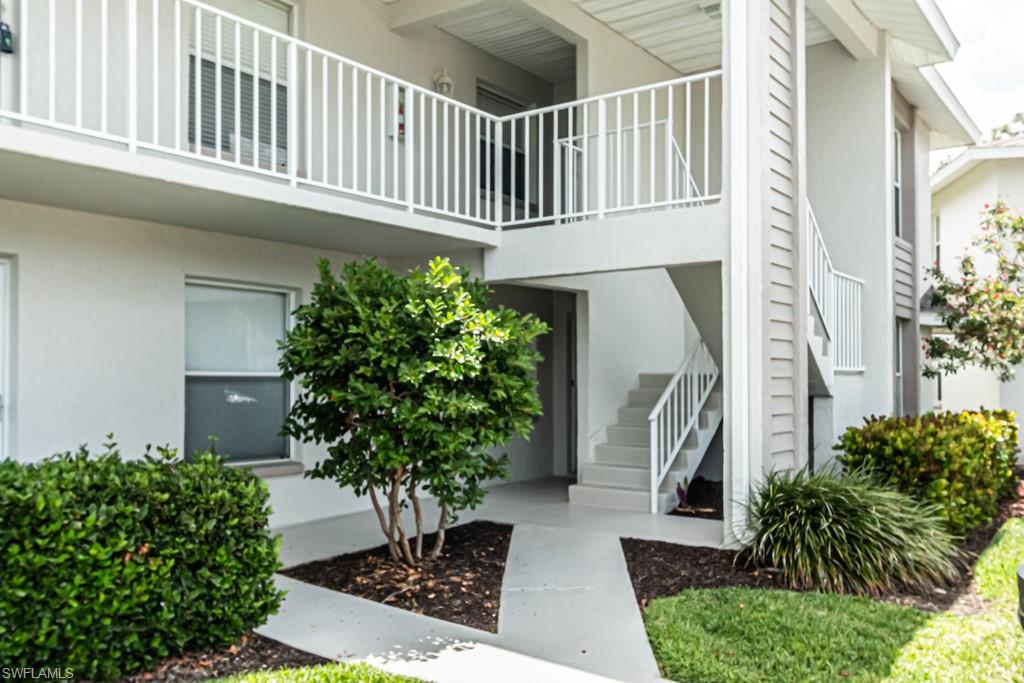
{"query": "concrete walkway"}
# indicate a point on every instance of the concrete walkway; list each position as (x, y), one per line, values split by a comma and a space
(568, 612)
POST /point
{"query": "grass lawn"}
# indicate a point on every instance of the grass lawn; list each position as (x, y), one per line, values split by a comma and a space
(325, 673)
(745, 634)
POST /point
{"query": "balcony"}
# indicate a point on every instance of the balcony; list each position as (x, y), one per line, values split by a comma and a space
(180, 81)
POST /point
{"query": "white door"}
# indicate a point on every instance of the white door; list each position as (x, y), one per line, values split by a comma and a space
(5, 331)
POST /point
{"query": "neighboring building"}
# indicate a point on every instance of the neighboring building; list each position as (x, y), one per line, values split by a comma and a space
(961, 189)
(173, 169)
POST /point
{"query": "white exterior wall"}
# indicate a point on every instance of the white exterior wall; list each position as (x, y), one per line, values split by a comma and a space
(99, 339)
(849, 131)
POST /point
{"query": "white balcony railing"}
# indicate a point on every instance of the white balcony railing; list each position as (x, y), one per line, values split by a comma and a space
(179, 77)
(835, 298)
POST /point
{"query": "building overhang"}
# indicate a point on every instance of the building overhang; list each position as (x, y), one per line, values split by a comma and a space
(970, 159)
(936, 104)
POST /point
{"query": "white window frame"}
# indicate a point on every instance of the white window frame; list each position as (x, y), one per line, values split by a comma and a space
(897, 182)
(937, 239)
(291, 298)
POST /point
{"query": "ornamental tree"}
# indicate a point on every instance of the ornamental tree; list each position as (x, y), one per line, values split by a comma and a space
(984, 312)
(411, 381)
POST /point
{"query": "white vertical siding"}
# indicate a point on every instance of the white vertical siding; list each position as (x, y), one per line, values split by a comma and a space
(782, 218)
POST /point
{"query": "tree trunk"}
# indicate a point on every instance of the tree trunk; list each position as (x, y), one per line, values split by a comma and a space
(419, 519)
(396, 519)
(439, 539)
(384, 527)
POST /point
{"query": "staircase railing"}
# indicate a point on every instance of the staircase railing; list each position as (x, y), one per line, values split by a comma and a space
(820, 274)
(836, 298)
(677, 411)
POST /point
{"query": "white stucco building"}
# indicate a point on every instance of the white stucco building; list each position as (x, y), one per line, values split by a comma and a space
(653, 202)
(979, 176)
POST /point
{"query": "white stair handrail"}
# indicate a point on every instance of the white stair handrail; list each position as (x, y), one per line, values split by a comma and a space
(820, 274)
(676, 412)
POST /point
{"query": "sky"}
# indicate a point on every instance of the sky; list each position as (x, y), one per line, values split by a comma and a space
(988, 72)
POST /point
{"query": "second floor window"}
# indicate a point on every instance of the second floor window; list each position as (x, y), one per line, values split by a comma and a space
(936, 240)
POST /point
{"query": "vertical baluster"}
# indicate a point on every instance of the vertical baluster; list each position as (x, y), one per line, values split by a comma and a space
(488, 184)
(636, 149)
(707, 135)
(133, 75)
(292, 131)
(355, 129)
(478, 154)
(585, 161)
(527, 162)
(382, 118)
(197, 115)
(618, 152)
(177, 74)
(105, 61)
(394, 140)
(369, 132)
(218, 100)
(467, 146)
(445, 168)
(308, 129)
(654, 120)
(669, 138)
(540, 165)
(255, 98)
(325, 127)
(24, 57)
(512, 170)
(155, 5)
(499, 174)
(237, 143)
(423, 149)
(689, 136)
(456, 180)
(602, 155)
(51, 64)
(433, 152)
(340, 130)
(78, 63)
(274, 119)
(570, 164)
(410, 128)
(556, 169)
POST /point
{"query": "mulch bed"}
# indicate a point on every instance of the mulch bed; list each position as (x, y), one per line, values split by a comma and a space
(658, 569)
(703, 500)
(462, 586)
(253, 653)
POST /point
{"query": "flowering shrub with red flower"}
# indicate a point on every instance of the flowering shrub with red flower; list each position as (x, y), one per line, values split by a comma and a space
(984, 313)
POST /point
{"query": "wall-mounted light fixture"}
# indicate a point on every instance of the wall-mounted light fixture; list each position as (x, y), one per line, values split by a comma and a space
(443, 83)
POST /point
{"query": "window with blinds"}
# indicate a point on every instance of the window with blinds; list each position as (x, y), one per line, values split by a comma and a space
(493, 101)
(254, 52)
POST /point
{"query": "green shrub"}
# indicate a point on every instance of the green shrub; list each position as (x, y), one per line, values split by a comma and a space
(846, 534)
(109, 565)
(962, 462)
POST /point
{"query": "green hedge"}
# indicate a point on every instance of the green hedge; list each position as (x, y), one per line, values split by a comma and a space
(108, 566)
(963, 462)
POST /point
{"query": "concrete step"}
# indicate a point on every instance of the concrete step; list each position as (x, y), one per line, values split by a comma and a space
(654, 380)
(619, 498)
(630, 476)
(644, 398)
(611, 454)
(634, 417)
(629, 435)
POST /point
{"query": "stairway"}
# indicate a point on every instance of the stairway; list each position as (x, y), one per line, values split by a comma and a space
(620, 475)
(821, 368)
